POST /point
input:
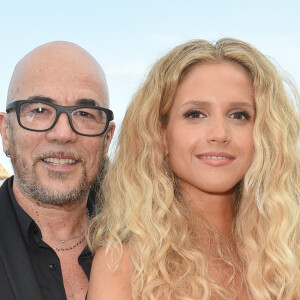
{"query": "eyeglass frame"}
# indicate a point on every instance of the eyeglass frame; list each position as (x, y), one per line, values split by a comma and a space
(59, 110)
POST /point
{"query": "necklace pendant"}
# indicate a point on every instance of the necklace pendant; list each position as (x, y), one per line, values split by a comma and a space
(62, 241)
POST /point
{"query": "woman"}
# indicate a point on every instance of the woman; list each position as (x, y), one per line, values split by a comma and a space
(202, 198)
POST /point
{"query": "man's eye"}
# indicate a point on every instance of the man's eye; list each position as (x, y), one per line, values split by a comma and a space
(194, 114)
(240, 115)
(39, 110)
(84, 114)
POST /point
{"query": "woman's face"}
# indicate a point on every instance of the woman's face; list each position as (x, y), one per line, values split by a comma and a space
(209, 135)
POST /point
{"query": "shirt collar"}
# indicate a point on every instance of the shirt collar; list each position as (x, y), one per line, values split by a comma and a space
(24, 220)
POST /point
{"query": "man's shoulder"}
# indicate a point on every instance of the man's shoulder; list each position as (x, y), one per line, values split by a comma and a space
(14, 257)
(9, 226)
(5, 201)
(5, 185)
(8, 218)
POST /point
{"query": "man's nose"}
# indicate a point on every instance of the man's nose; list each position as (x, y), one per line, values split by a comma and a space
(62, 131)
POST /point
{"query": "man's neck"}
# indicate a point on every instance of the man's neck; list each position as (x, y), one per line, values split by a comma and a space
(55, 221)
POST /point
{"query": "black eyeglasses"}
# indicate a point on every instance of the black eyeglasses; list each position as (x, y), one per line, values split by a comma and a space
(39, 115)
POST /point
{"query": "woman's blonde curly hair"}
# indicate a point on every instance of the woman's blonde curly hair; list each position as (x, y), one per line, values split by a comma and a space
(143, 207)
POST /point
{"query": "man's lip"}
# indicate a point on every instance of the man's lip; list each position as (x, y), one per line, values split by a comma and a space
(59, 160)
(60, 157)
(60, 163)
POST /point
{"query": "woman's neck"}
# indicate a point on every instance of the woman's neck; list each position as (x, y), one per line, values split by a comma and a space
(216, 209)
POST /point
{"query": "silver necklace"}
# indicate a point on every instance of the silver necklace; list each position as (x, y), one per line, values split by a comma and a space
(65, 240)
(71, 247)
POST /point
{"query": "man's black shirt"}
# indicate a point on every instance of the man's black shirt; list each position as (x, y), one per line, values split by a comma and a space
(44, 259)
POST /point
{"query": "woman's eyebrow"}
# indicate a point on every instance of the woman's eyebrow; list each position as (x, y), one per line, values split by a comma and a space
(242, 103)
(196, 103)
(208, 103)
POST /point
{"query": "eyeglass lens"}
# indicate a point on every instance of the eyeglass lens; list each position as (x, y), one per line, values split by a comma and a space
(40, 116)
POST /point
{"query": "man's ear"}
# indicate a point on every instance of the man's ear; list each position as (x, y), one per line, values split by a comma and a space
(109, 135)
(4, 131)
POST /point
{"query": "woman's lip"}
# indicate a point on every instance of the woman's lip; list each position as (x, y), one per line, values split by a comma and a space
(217, 154)
(215, 159)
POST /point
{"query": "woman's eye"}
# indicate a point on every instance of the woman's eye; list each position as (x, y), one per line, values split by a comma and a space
(240, 115)
(194, 114)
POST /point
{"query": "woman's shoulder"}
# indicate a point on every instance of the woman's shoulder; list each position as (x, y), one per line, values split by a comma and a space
(111, 275)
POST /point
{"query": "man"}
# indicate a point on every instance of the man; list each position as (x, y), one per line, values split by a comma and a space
(57, 131)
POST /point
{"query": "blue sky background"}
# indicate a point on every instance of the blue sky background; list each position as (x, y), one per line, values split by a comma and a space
(127, 37)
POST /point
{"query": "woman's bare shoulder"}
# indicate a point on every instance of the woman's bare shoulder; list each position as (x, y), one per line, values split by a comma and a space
(106, 283)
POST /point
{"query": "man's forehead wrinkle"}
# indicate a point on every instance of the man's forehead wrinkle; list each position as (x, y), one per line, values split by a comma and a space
(60, 61)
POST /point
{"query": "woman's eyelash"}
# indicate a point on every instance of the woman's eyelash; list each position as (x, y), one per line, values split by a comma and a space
(241, 115)
(197, 114)
(193, 114)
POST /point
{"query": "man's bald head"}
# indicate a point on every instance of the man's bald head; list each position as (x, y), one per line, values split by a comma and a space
(56, 165)
(57, 62)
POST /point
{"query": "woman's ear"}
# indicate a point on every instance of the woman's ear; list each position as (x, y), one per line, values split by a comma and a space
(165, 141)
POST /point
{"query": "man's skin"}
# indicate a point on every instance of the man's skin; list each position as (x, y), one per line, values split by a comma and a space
(64, 73)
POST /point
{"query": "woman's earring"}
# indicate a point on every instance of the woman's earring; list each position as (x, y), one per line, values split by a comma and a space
(6, 153)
